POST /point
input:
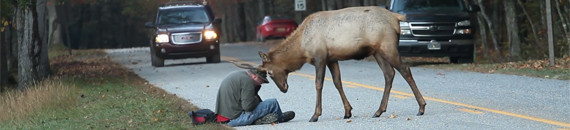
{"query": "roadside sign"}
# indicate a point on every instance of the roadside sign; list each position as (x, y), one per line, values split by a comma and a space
(300, 5)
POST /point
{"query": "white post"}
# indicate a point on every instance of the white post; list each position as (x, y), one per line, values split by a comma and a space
(549, 30)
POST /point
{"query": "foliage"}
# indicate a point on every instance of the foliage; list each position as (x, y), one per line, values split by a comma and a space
(110, 23)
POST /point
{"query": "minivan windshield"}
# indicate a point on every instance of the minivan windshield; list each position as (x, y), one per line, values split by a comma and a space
(182, 16)
(427, 5)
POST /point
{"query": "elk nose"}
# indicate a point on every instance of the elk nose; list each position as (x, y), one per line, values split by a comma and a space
(285, 88)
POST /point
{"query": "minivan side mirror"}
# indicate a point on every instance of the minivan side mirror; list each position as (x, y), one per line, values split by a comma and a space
(149, 24)
(473, 8)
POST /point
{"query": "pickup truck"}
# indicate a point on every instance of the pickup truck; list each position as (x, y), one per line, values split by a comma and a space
(436, 28)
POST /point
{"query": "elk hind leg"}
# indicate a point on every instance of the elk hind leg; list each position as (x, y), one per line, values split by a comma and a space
(407, 74)
(335, 71)
(388, 71)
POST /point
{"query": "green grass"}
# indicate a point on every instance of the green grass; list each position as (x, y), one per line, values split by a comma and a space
(89, 91)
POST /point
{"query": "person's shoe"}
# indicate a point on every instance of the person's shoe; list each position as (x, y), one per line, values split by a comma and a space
(267, 119)
(289, 115)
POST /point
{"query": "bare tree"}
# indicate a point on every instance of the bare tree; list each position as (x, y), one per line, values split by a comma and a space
(512, 28)
(489, 25)
(54, 26)
(3, 59)
(564, 23)
(530, 21)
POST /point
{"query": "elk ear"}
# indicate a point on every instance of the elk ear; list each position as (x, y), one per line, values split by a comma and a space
(264, 57)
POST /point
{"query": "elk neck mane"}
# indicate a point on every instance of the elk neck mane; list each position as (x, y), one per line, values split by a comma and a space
(291, 48)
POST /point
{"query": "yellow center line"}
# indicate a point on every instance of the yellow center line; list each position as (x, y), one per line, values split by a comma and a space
(558, 123)
(470, 111)
(400, 96)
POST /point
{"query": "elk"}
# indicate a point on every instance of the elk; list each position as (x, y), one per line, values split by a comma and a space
(326, 37)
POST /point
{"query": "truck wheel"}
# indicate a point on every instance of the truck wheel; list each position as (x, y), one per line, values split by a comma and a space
(155, 60)
(214, 58)
(459, 60)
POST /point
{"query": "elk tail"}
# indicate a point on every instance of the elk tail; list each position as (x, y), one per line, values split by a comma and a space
(399, 16)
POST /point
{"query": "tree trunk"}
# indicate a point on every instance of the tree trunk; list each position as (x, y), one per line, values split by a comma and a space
(26, 70)
(489, 25)
(3, 59)
(354, 3)
(324, 5)
(339, 4)
(483, 33)
(262, 11)
(564, 24)
(512, 28)
(530, 22)
(331, 5)
(54, 30)
(32, 54)
(42, 32)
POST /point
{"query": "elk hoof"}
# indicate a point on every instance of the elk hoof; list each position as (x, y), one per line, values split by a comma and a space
(346, 117)
(420, 113)
(314, 119)
(376, 116)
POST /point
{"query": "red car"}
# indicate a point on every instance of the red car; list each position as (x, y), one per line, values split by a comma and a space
(275, 26)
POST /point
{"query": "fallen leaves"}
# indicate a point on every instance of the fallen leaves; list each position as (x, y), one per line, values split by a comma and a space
(91, 65)
(392, 116)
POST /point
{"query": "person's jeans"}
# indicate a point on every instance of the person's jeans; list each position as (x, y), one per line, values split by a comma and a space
(265, 107)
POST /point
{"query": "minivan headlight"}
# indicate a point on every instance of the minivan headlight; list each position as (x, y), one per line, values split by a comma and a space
(162, 38)
(209, 35)
(464, 23)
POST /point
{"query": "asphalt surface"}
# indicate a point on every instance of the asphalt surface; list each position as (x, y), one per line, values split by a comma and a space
(455, 99)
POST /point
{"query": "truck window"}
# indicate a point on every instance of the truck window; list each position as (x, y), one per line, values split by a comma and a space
(427, 5)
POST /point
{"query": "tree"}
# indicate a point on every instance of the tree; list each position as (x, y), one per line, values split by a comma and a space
(54, 30)
(512, 28)
(3, 58)
(33, 64)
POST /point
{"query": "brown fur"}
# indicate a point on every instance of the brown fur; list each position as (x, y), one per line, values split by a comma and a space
(326, 37)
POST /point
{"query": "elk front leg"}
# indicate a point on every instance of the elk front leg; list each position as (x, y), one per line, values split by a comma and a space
(320, 77)
(335, 71)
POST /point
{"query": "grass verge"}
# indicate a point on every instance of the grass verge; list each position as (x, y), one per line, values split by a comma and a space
(534, 68)
(89, 91)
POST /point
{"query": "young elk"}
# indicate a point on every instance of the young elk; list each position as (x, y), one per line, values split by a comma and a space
(326, 37)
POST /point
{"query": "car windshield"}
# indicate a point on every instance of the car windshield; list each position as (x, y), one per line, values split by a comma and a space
(275, 17)
(182, 16)
(428, 5)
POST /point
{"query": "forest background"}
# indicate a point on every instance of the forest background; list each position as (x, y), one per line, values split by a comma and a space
(507, 30)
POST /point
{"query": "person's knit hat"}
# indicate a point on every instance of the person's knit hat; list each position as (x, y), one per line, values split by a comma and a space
(260, 74)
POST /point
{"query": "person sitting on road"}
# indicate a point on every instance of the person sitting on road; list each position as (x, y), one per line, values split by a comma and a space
(238, 102)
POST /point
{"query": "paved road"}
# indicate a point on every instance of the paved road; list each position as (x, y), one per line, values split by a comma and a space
(455, 99)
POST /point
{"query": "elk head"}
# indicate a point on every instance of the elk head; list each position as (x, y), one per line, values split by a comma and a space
(277, 75)
(277, 71)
